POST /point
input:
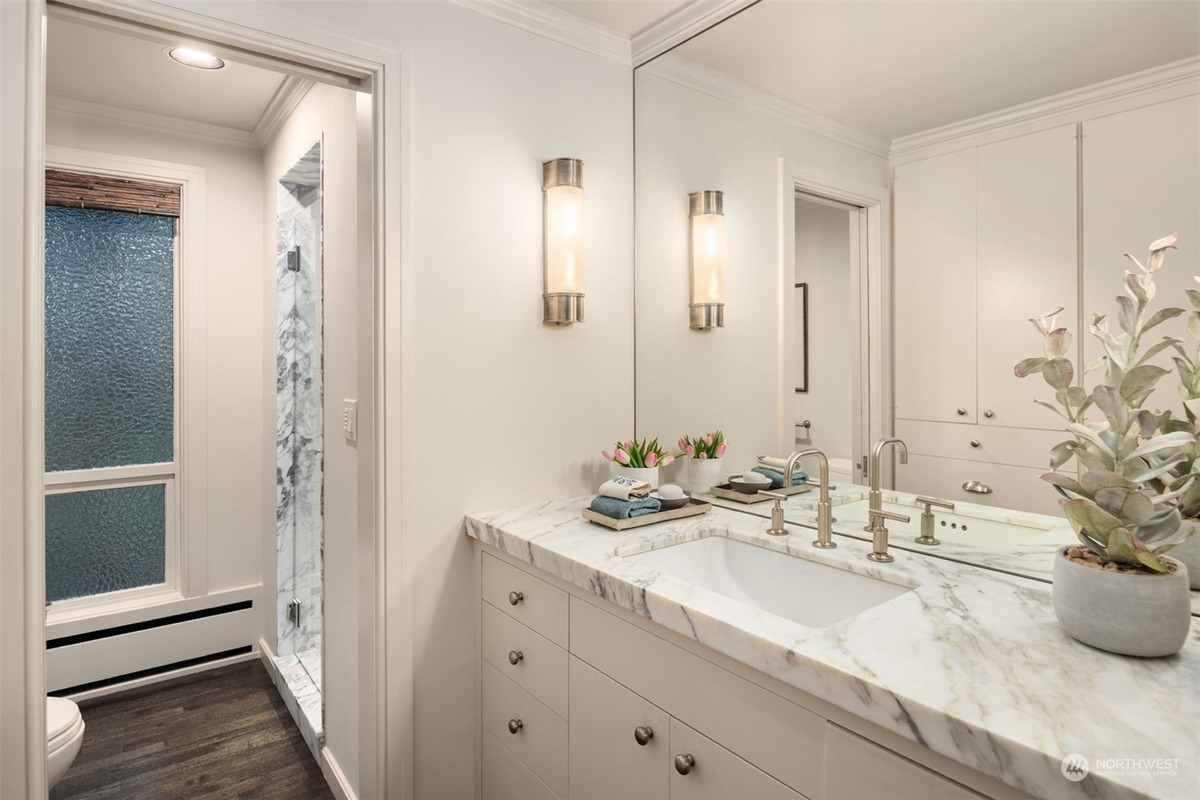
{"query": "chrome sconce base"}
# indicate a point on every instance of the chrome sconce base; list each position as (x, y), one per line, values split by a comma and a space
(707, 315)
(562, 309)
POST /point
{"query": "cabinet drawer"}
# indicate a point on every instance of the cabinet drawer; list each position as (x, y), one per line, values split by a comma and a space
(1017, 447)
(606, 761)
(717, 774)
(541, 668)
(771, 732)
(537, 604)
(1018, 488)
(506, 778)
(541, 740)
(856, 768)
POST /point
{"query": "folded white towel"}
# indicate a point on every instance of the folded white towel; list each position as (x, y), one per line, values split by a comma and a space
(777, 464)
(625, 488)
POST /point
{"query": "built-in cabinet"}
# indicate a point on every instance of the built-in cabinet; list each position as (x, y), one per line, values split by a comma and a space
(646, 718)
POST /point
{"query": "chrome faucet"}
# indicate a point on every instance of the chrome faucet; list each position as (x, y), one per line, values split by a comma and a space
(875, 497)
(824, 508)
(879, 534)
(927, 536)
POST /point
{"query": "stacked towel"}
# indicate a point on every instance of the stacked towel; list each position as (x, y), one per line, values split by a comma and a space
(777, 477)
(622, 487)
(625, 509)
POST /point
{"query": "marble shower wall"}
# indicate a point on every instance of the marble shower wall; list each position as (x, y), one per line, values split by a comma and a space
(299, 396)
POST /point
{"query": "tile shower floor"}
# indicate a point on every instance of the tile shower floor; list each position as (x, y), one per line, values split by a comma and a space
(298, 678)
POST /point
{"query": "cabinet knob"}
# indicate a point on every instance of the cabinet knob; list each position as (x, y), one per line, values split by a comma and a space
(684, 763)
(989, 413)
(974, 443)
(515, 597)
(515, 657)
(642, 734)
(962, 412)
(515, 725)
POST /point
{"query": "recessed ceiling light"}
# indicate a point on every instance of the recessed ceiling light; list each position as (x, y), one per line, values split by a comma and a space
(195, 58)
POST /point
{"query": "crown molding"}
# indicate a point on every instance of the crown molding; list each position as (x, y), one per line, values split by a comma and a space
(680, 25)
(691, 75)
(554, 24)
(1176, 73)
(143, 120)
(283, 103)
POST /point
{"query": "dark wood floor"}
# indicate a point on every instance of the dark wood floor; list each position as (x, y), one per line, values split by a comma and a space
(220, 734)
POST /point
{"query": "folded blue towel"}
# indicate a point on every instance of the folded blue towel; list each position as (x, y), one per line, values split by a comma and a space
(624, 509)
(777, 477)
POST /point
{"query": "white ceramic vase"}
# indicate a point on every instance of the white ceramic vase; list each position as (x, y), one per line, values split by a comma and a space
(647, 474)
(1134, 614)
(703, 474)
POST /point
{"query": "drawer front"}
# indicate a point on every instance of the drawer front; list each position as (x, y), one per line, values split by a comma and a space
(541, 667)
(1017, 488)
(606, 760)
(541, 740)
(525, 598)
(771, 732)
(1017, 447)
(714, 773)
(856, 768)
(506, 778)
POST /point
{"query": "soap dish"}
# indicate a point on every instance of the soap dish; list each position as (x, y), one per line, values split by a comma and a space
(678, 502)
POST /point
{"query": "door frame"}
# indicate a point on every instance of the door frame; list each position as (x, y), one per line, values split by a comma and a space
(871, 286)
(256, 34)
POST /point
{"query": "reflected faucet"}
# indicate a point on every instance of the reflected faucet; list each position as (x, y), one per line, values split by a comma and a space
(824, 508)
(875, 497)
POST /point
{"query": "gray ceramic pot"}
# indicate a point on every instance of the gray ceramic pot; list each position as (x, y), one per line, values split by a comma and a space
(1130, 614)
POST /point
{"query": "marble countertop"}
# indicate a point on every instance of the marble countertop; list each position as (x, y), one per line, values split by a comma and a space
(971, 663)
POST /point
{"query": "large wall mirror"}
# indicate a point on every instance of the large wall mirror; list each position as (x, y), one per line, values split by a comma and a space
(935, 174)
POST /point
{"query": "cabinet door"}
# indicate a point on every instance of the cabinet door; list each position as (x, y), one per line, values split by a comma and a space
(1028, 262)
(606, 760)
(934, 207)
(715, 773)
(1141, 181)
(857, 769)
(506, 778)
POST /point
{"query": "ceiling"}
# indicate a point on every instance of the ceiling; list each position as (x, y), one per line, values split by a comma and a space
(99, 66)
(624, 16)
(901, 67)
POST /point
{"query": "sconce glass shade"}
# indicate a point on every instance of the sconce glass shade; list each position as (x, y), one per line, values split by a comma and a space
(562, 209)
(706, 221)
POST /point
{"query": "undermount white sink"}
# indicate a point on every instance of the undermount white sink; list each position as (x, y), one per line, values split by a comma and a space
(808, 592)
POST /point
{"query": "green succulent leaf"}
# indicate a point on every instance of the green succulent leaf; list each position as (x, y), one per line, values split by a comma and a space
(1060, 454)
(1158, 347)
(1159, 469)
(1139, 382)
(1028, 366)
(1093, 459)
(1089, 435)
(1124, 547)
(1161, 526)
(1193, 325)
(1164, 442)
(1194, 296)
(1094, 480)
(1064, 483)
(1058, 372)
(1161, 316)
(1086, 515)
(1058, 341)
(1112, 406)
(1128, 505)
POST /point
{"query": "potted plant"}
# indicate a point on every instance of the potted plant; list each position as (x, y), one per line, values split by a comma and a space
(1116, 590)
(704, 459)
(638, 458)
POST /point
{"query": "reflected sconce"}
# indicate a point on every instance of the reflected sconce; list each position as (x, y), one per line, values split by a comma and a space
(706, 257)
(562, 223)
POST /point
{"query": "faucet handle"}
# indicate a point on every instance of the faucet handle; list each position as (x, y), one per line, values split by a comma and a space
(777, 528)
(878, 515)
(933, 501)
(776, 495)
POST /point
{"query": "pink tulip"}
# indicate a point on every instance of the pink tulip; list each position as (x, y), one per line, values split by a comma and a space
(628, 445)
(691, 451)
(708, 439)
(651, 459)
(607, 455)
(667, 461)
(683, 442)
(703, 456)
(721, 449)
(621, 456)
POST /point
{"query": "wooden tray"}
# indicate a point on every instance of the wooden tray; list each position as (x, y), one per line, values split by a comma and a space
(728, 493)
(692, 509)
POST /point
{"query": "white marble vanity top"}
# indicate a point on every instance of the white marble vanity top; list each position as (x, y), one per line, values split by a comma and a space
(971, 664)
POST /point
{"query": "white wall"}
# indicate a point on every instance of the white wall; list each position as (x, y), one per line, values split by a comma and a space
(823, 262)
(234, 395)
(327, 114)
(693, 381)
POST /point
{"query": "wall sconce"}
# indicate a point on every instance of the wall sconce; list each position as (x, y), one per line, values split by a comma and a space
(706, 255)
(562, 221)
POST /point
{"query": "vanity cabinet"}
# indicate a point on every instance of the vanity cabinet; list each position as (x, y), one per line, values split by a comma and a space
(645, 717)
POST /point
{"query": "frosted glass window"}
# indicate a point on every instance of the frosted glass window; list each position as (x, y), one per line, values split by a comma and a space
(105, 541)
(110, 382)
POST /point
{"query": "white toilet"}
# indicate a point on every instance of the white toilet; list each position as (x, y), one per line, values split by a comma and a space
(64, 736)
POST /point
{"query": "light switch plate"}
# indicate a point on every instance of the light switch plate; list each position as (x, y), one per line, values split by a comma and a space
(350, 420)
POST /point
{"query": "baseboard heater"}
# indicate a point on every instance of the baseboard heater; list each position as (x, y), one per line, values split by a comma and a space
(87, 662)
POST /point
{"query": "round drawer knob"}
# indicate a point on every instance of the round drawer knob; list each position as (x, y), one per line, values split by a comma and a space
(974, 443)
(962, 412)
(515, 597)
(684, 763)
(515, 657)
(515, 725)
(642, 734)
(989, 413)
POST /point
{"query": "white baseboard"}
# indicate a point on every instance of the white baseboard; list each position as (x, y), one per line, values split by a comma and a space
(162, 676)
(335, 777)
